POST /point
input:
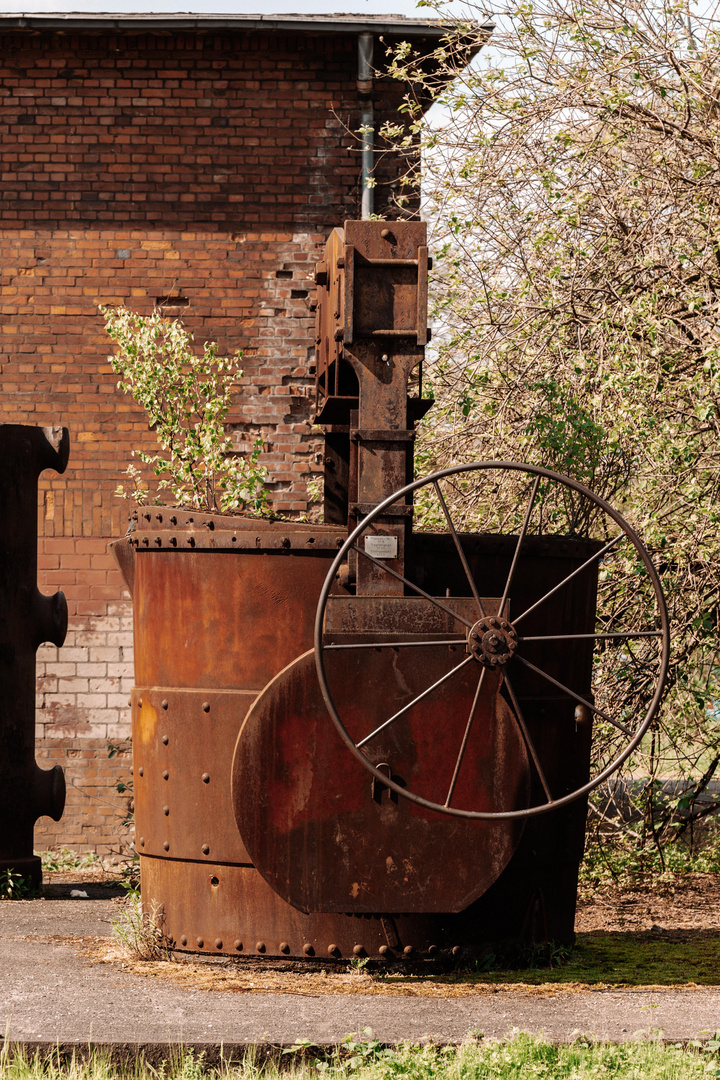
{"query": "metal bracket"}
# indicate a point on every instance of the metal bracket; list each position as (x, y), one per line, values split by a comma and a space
(378, 788)
(381, 435)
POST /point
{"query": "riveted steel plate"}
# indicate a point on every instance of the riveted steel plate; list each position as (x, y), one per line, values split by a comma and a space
(182, 745)
(326, 836)
(233, 540)
(231, 910)
(223, 620)
(168, 518)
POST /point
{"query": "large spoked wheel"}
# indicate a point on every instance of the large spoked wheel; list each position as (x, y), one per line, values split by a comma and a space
(629, 635)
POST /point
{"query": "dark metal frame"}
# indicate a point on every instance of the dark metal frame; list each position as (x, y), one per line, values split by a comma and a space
(626, 532)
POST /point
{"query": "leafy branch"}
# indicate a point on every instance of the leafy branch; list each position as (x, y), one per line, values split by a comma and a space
(187, 398)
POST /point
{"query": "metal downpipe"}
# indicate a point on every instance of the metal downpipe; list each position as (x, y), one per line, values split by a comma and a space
(367, 122)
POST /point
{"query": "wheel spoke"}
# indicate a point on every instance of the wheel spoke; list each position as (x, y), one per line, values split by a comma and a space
(401, 712)
(588, 562)
(397, 644)
(416, 588)
(528, 741)
(624, 635)
(572, 694)
(461, 553)
(519, 544)
(466, 736)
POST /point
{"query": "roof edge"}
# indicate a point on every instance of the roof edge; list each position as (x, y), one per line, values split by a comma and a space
(323, 24)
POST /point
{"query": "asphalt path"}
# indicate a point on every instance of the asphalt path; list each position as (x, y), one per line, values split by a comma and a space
(50, 993)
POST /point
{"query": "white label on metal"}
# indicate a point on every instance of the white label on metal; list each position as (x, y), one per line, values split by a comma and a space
(381, 547)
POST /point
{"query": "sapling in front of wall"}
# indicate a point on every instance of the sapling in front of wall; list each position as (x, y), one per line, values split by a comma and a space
(186, 396)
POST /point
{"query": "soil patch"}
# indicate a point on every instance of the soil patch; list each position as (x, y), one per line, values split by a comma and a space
(690, 902)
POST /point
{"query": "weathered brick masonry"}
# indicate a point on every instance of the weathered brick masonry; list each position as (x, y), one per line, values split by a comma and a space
(137, 165)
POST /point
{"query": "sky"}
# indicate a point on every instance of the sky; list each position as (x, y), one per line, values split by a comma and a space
(246, 7)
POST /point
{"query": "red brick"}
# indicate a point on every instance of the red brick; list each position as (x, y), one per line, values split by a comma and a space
(158, 164)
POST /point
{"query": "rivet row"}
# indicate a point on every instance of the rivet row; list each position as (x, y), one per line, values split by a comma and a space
(333, 949)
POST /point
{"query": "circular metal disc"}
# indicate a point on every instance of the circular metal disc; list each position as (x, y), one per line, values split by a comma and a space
(327, 836)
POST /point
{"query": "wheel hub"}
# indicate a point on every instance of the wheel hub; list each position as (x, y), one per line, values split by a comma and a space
(492, 641)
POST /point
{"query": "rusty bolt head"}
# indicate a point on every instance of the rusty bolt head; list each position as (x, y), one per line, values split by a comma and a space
(205, 849)
(284, 947)
(141, 771)
(165, 774)
(165, 740)
(166, 810)
(359, 950)
(166, 845)
(164, 704)
(238, 945)
(432, 950)
(456, 950)
(142, 841)
(308, 949)
(206, 706)
(408, 950)
(260, 946)
(218, 943)
(333, 949)
(183, 940)
(384, 950)
(205, 778)
(200, 943)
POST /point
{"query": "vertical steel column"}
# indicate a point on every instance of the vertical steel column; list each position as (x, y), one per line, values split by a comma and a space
(367, 123)
(27, 619)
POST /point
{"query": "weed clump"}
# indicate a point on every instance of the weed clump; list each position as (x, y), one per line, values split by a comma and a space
(139, 931)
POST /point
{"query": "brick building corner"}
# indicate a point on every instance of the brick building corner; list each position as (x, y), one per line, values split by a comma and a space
(192, 162)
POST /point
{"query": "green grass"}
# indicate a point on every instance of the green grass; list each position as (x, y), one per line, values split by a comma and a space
(627, 959)
(522, 1058)
(66, 860)
(600, 958)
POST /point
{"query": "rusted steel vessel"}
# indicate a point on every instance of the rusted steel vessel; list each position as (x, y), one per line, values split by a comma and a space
(347, 737)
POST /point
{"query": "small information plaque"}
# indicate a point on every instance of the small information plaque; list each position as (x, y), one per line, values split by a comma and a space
(381, 547)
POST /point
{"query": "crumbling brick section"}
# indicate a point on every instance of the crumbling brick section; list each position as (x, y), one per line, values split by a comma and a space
(200, 172)
(82, 696)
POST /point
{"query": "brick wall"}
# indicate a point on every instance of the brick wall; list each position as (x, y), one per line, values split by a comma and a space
(133, 167)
